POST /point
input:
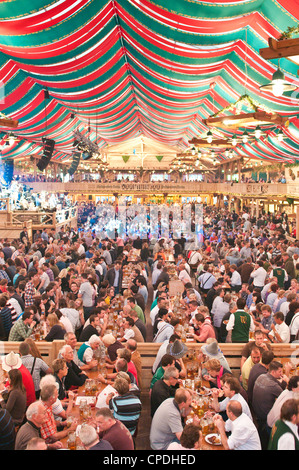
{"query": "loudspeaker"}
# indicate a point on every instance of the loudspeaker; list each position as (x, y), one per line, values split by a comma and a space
(75, 163)
(8, 171)
(46, 157)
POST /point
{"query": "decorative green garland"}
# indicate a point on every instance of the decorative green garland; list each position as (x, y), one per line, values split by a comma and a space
(289, 32)
(243, 100)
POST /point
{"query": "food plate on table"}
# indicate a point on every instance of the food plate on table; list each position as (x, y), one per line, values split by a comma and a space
(213, 439)
(204, 391)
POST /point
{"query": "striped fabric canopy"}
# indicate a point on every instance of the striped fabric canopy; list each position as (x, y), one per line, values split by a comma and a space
(119, 69)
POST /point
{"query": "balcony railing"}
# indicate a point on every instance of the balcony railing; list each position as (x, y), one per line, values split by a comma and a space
(242, 189)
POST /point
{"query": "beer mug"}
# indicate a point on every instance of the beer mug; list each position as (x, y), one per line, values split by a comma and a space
(71, 441)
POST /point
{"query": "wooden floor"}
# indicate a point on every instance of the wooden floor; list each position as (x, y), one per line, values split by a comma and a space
(142, 441)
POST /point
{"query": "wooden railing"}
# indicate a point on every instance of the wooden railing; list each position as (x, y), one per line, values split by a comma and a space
(245, 189)
(148, 352)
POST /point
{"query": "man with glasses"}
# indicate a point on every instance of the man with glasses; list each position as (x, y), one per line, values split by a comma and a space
(164, 388)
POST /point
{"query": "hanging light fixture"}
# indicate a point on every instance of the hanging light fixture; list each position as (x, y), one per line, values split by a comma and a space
(234, 140)
(209, 137)
(258, 132)
(280, 135)
(278, 84)
(245, 137)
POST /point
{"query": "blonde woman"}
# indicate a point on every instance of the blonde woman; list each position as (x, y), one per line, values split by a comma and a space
(57, 330)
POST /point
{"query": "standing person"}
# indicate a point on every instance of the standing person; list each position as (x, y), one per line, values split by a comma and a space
(284, 434)
(291, 392)
(243, 433)
(115, 277)
(35, 365)
(266, 389)
(258, 369)
(240, 323)
(87, 293)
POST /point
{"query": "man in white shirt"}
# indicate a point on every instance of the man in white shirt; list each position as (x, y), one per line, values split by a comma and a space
(280, 332)
(259, 275)
(235, 280)
(244, 435)
(183, 275)
(231, 389)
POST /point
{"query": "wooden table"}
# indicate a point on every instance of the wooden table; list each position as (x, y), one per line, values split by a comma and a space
(93, 374)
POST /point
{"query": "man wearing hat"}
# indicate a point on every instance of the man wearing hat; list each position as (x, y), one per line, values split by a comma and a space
(13, 361)
(211, 350)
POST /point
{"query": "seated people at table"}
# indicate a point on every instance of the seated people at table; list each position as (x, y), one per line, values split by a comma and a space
(61, 408)
(191, 439)
(164, 388)
(138, 324)
(13, 361)
(254, 358)
(166, 425)
(57, 330)
(163, 350)
(131, 331)
(112, 345)
(90, 439)
(213, 371)
(280, 332)
(125, 353)
(75, 377)
(284, 434)
(7, 431)
(232, 391)
(166, 361)
(125, 406)
(88, 348)
(211, 350)
(243, 433)
(23, 327)
(49, 432)
(113, 430)
(13, 398)
(91, 329)
(203, 328)
(35, 418)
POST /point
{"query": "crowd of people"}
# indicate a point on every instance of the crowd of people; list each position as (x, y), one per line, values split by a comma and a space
(240, 286)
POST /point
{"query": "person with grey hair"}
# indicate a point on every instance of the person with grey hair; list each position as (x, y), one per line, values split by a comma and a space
(36, 417)
(48, 429)
(113, 430)
(75, 377)
(90, 439)
(164, 388)
(36, 443)
(87, 349)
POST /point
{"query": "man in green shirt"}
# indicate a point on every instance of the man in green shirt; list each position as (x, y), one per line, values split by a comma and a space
(23, 327)
(240, 323)
(284, 433)
(166, 361)
(134, 306)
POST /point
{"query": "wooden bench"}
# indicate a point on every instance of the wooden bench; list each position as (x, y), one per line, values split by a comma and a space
(148, 352)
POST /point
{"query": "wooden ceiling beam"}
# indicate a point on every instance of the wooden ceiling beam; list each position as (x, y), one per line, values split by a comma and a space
(282, 48)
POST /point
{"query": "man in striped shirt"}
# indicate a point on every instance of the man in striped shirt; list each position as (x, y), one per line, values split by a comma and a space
(126, 407)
